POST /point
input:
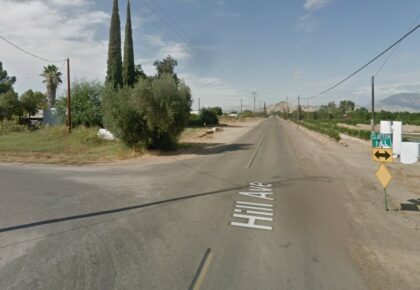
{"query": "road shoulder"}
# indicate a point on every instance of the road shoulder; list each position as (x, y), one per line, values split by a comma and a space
(383, 245)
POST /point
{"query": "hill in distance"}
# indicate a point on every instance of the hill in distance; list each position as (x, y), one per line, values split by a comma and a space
(401, 102)
(282, 106)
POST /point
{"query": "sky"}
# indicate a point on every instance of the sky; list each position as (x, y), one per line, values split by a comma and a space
(226, 49)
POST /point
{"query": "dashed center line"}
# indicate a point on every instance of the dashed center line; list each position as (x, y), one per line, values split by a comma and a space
(255, 153)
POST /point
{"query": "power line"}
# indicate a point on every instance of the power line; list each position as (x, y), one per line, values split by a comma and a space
(367, 64)
(198, 53)
(30, 53)
(162, 28)
(396, 47)
(184, 35)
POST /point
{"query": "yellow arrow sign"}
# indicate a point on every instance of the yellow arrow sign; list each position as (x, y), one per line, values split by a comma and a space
(383, 175)
(382, 155)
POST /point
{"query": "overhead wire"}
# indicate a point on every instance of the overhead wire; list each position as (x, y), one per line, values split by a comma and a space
(30, 53)
(162, 28)
(185, 36)
(368, 63)
(396, 47)
(198, 54)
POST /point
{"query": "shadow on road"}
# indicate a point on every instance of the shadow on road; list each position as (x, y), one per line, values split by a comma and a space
(412, 206)
(207, 148)
(275, 183)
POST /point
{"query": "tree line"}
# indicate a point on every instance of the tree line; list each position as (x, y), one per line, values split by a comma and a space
(346, 112)
(140, 110)
(29, 103)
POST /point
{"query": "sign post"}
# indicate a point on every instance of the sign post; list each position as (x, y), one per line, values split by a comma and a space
(384, 178)
(382, 152)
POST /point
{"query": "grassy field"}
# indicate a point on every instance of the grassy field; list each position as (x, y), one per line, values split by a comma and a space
(56, 145)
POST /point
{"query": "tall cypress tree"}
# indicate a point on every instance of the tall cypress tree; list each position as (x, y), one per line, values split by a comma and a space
(114, 73)
(128, 64)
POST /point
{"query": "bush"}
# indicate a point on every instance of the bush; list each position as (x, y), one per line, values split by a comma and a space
(362, 134)
(195, 121)
(208, 116)
(323, 128)
(122, 118)
(247, 114)
(86, 104)
(8, 126)
(153, 113)
(217, 111)
(167, 109)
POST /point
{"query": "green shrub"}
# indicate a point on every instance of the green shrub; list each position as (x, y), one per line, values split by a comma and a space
(362, 134)
(152, 114)
(195, 121)
(9, 126)
(217, 111)
(167, 109)
(86, 104)
(323, 128)
(208, 116)
(122, 117)
(247, 114)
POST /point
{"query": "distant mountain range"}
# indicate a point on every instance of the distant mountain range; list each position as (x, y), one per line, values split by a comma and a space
(406, 102)
(282, 107)
(409, 102)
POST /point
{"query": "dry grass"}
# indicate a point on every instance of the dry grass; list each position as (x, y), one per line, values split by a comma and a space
(57, 146)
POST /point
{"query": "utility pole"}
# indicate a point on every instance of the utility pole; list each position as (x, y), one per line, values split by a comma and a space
(254, 95)
(199, 108)
(308, 109)
(372, 120)
(298, 107)
(287, 107)
(241, 106)
(68, 96)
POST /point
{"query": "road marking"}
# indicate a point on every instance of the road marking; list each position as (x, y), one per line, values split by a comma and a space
(254, 212)
(254, 207)
(253, 203)
(263, 195)
(255, 153)
(251, 222)
(200, 275)
(260, 213)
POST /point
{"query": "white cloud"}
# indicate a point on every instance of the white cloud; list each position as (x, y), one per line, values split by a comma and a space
(53, 29)
(297, 74)
(309, 21)
(311, 5)
(212, 91)
(69, 2)
(178, 50)
(226, 14)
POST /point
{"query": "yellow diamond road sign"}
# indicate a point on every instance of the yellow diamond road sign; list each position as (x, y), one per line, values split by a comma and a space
(383, 175)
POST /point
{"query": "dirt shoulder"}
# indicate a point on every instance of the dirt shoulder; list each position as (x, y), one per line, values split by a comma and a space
(199, 142)
(385, 246)
(192, 143)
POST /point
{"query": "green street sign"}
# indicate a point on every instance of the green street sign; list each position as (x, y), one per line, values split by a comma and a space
(380, 140)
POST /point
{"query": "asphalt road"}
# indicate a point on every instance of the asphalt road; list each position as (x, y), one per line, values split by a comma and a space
(172, 225)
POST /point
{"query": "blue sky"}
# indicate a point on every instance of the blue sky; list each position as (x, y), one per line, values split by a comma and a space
(227, 48)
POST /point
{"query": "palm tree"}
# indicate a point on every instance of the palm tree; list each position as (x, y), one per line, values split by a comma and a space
(52, 79)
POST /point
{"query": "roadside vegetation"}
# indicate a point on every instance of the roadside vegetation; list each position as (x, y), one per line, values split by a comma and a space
(331, 120)
(142, 112)
(56, 145)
